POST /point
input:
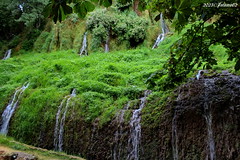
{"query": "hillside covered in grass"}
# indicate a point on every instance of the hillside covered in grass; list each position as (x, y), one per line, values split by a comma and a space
(10, 148)
(121, 80)
(104, 82)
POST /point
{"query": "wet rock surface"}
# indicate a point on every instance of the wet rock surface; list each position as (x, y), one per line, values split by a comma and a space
(218, 96)
(201, 121)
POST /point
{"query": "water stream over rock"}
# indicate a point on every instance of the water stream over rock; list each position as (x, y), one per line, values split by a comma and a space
(135, 129)
(7, 54)
(11, 107)
(161, 36)
(106, 46)
(60, 121)
(83, 50)
(208, 83)
(118, 134)
(174, 136)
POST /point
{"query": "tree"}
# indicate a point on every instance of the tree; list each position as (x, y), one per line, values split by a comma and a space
(9, 27)
(58, 9)
(193, 49)
(32, 12)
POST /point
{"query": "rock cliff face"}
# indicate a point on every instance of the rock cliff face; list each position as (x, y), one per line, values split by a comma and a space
(202, 121)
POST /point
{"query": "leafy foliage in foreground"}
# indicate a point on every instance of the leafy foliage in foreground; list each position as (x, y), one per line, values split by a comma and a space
(210, 26)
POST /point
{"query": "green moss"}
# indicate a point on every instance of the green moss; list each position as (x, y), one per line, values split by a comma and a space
(156, 104)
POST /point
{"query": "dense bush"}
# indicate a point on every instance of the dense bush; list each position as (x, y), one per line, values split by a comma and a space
(125, 27)
(30, 39)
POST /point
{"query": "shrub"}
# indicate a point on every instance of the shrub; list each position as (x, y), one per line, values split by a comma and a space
(124, 27)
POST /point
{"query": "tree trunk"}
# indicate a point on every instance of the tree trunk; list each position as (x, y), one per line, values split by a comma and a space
(135, 7)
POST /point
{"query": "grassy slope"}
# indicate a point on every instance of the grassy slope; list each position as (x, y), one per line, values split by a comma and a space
(104, 83)
(8, 145)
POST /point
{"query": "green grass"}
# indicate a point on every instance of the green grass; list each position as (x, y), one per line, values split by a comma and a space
(105, 82)
(10, 145)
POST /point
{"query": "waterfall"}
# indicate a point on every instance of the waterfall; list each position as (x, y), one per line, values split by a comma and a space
(7, 54)
(83, 50)
(119, 132)
(9, 110)
(174, 137)
(208, 117)
(135, 129)
(107, 43)
(60, 121)
(161, 36)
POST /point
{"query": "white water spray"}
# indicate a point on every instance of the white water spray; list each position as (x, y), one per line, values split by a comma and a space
(83, 50)
(60, 121)
(7, 54)
(135, 129)
(161, 36)
(11, 107)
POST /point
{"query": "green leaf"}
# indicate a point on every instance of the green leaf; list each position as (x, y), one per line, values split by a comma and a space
(184, 4)
(89, 6)
(177, 3)
(47, 10)
(107, 3)
(67, 9)
(62, 15)
(94, 1)
(80, 9)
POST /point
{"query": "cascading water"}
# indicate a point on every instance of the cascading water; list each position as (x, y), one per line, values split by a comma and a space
(7, 54)
(9, 110)
(174, 137)
(135, 129)
(60, 121)
(208, 83)
(161, 36)
(83, 50)
(107, 44)
(118, 134)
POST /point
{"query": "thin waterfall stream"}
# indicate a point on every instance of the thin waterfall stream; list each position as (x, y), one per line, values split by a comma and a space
(119, 132)
(7, 54)
(208, 117)
(174, 137)
(60, 121)
(106, 46)
(83, 50)
(161, 36)
(135, 129)
(11, 107)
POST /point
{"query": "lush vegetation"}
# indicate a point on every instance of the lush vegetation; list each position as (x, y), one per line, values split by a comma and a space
(194, 48)
(127, 27)
(104, 84)
(45, 54)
